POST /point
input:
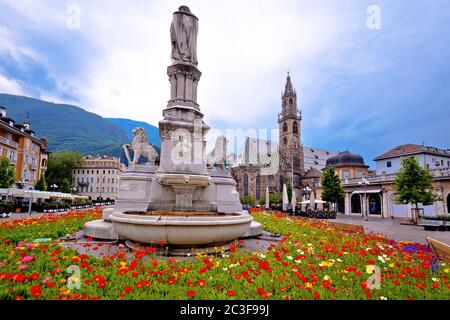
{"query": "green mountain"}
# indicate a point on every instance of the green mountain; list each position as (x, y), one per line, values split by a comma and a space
(69, 127)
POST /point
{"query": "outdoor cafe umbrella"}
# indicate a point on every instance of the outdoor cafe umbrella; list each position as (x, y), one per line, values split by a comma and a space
(294, 200)
(285, 198)
(267, 198)
(312, 201)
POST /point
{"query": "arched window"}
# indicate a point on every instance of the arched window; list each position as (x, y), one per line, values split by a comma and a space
(246, 185)
(285, 127)
(285, 141)
(291, 101)
(281, 183)
(448, 203)
(258, 187)
(295, 127)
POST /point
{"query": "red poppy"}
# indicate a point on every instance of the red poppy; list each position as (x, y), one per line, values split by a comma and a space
(36, 291)
(191, 293)
(316, 295)
(51, 284)
(201, 283)
(128, 289)
(231, 293)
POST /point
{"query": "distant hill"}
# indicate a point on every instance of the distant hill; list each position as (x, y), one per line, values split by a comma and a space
(128, 125)
(69, 127)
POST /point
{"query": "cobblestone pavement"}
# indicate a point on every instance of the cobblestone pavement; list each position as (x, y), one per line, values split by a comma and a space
(396, 229)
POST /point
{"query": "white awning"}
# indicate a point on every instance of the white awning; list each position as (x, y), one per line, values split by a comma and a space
(367, 191)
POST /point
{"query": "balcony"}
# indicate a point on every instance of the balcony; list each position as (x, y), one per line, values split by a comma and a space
(9, 142)
(389, 178)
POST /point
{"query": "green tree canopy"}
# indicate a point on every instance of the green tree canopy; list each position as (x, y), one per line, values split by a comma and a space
(60, 166)
(7, 173)
(248, 200)
(275, 198)
(413, 184)
(331, 185)
(65, 186)
(41, 185)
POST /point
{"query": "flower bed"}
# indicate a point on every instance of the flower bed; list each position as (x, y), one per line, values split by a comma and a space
(312, 261)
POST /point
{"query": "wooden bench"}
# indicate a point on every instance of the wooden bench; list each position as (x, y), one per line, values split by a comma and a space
(440, 250)
(348, 227)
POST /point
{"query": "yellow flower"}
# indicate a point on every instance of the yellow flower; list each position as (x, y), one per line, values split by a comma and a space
(391, 265)
(63, 280)
(370, 269)
(327, 278)
(344, 278)
(74, 279)
(446, 270)
(309, 285)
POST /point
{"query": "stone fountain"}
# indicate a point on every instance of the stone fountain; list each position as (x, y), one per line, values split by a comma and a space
(177, 198)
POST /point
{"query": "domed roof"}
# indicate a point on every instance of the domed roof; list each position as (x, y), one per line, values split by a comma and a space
(345, 158)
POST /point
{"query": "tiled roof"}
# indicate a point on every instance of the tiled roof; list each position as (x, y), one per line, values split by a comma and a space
(407, 149)
(316, 158)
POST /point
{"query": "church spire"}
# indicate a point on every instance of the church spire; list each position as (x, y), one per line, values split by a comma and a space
(288, 89)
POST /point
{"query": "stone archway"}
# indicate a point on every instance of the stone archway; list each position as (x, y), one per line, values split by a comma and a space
(374, 203)
(356, 203)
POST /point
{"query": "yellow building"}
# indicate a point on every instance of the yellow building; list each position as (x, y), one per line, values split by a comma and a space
(27, 153)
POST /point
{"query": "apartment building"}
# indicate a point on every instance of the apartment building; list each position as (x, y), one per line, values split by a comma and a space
(98, 177)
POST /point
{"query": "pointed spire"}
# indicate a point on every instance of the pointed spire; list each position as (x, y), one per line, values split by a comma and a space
(289, 89)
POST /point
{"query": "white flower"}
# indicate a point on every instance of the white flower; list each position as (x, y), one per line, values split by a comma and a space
(383, 298)
(435, 279)
(339, 260)
(381, 259)
(224, 269)
(289, 257)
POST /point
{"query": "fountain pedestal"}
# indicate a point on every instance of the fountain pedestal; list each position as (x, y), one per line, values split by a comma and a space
(180, 202)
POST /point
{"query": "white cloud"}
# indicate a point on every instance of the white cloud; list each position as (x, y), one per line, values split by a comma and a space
(9, 86)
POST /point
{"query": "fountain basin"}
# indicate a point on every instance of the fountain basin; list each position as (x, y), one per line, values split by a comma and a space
(182, 230)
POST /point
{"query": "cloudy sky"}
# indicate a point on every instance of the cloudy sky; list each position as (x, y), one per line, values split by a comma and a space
(360, 88)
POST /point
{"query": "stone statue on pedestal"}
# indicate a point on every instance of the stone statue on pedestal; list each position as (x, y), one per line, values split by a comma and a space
(183, 35)
(141, 147)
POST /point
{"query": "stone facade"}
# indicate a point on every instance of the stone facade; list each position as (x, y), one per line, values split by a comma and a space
(98, 177)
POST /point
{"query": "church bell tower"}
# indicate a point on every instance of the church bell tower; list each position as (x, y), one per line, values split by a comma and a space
(290, 145)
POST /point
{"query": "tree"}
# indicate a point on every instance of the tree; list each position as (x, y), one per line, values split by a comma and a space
(65, 186)
(413, 185)
(7, 173)
(41, 185)
(60, 166)
(289, 192)
(331, 185)
(275, 198)
(248, 200)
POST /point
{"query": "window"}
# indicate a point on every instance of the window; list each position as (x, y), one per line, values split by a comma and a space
(112, 180)
(245, 185)
(92, 189)
(92, 180)
(27, 159)
(346, 174)
(33, 161)
(359, 174)
(25, 173)
(258, 187)
(33, 147)
(285, 141)
(285, 127)
(295, 127)
(389, 164)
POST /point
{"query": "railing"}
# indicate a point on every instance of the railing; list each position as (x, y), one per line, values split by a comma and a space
(9, 142)
(390, 177)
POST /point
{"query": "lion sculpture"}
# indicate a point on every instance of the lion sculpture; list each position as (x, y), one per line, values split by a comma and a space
(141, 147)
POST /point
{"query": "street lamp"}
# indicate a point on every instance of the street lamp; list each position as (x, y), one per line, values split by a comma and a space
(364, 182)
(306, 191)
(54, 187)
